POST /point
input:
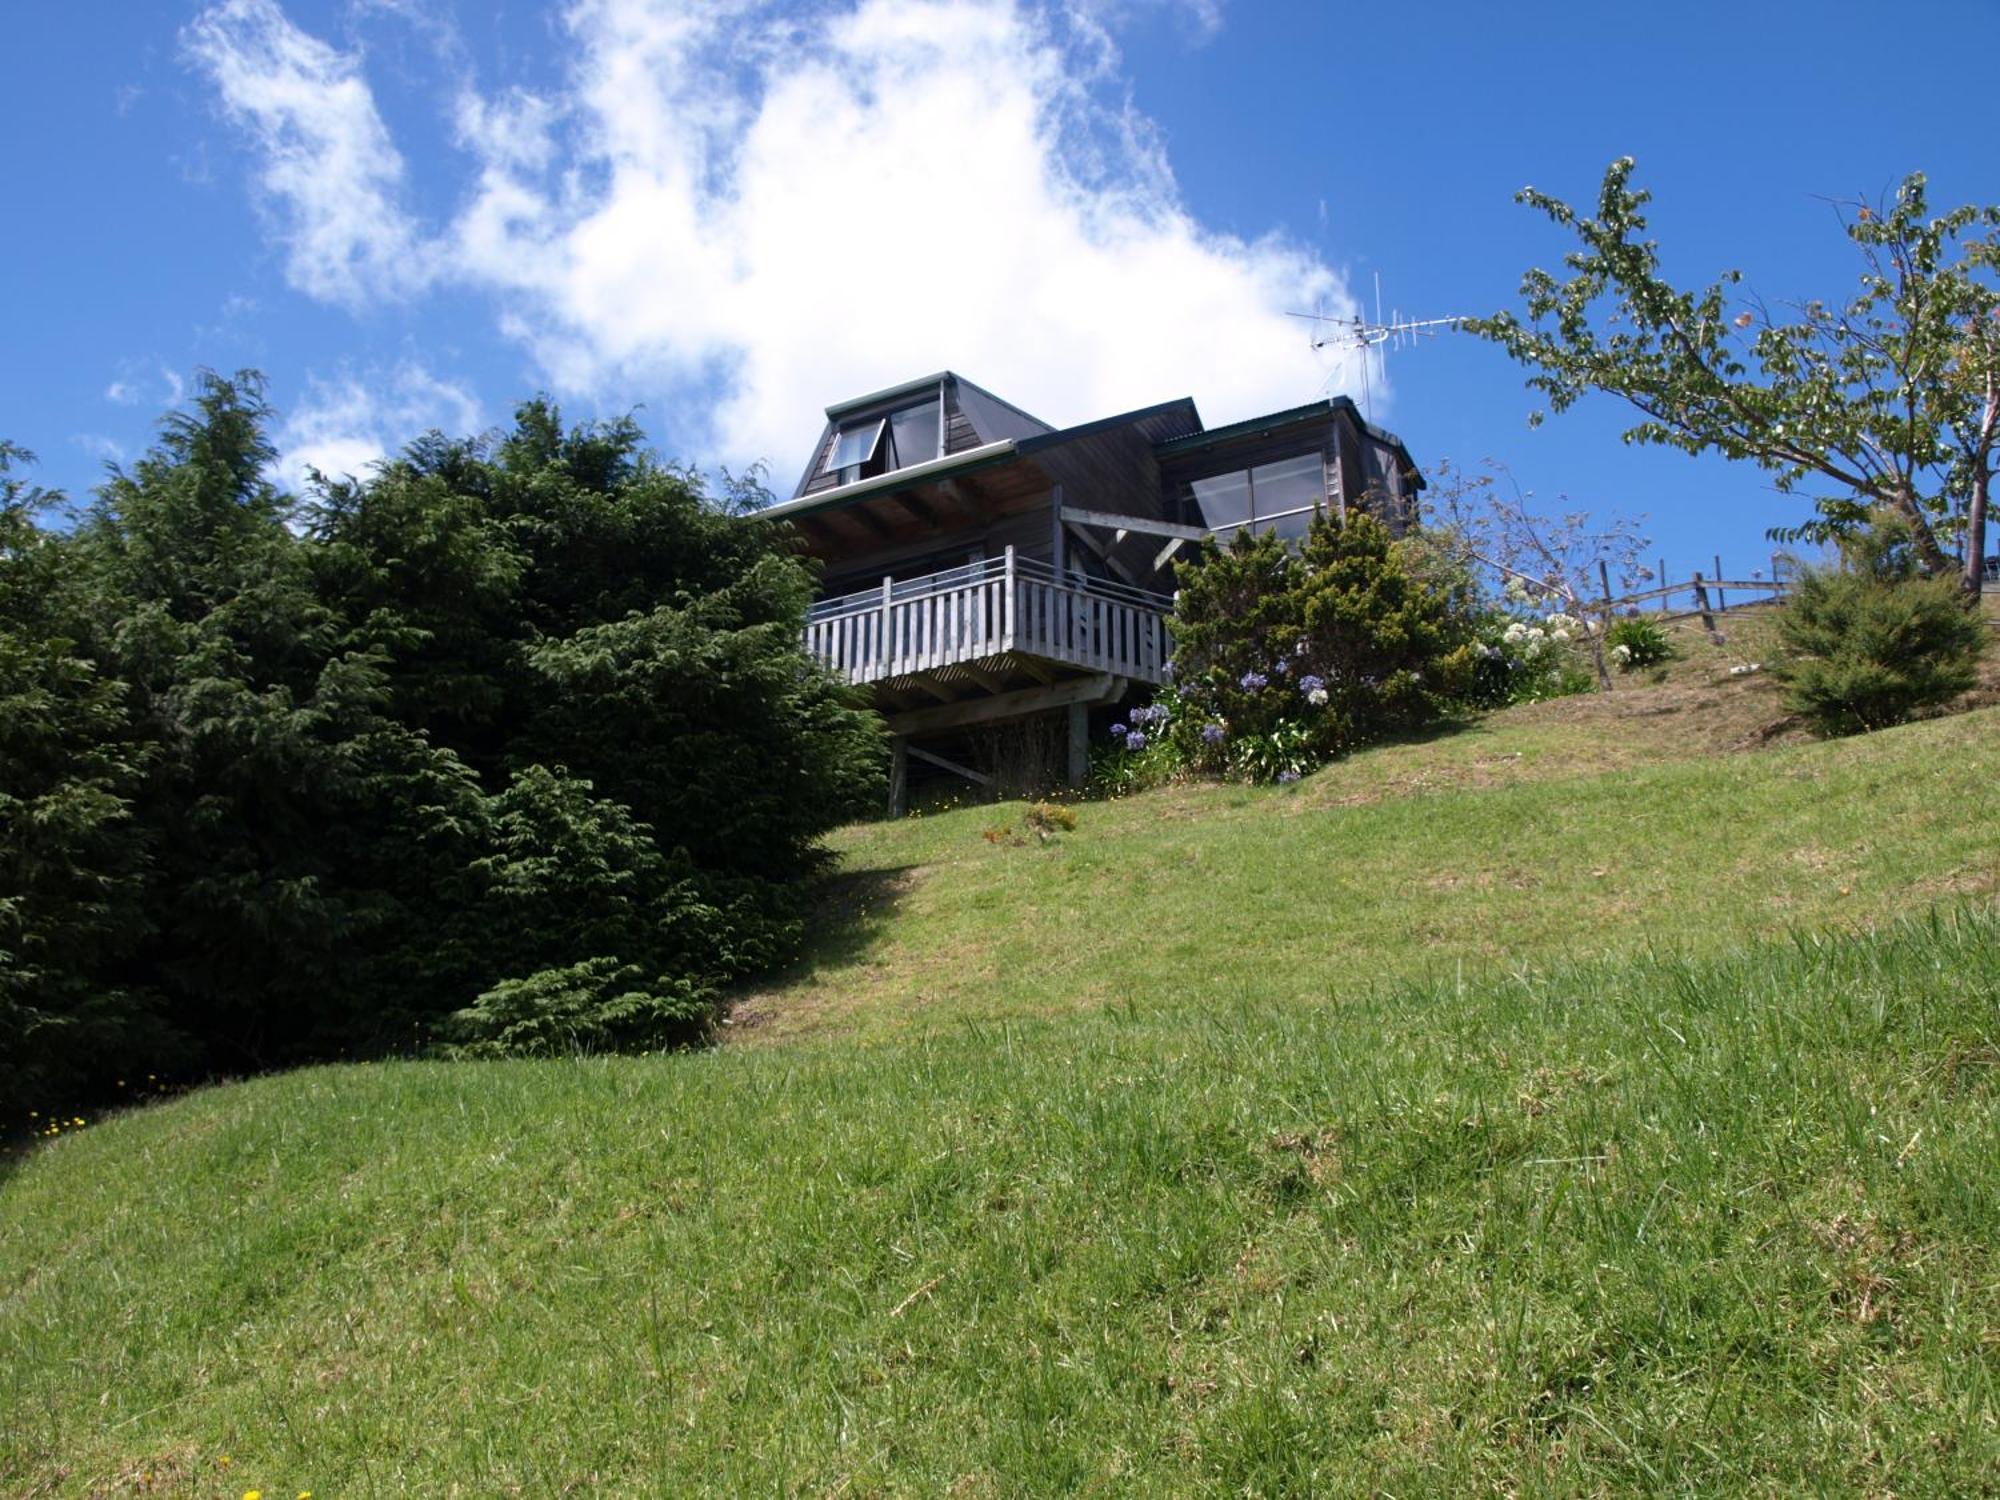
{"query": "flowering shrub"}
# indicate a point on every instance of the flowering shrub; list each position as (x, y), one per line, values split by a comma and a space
(1636, 643)
(1283, 659)
(1524, 658)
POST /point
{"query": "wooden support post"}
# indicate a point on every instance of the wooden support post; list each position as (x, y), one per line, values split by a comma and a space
(888, 644)
(1721, 599)
(1079, 744)
(1056, 534)
(1604, 582)
(1701, 605)
(899, 775)
(1776, 571)
(1663, 583)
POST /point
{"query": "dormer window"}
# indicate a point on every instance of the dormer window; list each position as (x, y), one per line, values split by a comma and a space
(855, 445)
(876, 445)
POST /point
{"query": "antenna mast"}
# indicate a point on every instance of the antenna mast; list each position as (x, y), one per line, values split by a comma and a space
(1395, 332)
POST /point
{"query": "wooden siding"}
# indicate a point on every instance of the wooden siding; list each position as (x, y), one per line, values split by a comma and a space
(959, 434)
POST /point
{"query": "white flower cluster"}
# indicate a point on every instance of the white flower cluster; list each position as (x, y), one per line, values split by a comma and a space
(1525, 642)
(1621, 654)
(1317, 697)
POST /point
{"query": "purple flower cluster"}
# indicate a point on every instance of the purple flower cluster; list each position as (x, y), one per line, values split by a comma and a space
(1118, 731)
(1253, 682)
(1286, 778)
(1214, 734)
(1311, 683)
(1281, 667)
(1136, 740)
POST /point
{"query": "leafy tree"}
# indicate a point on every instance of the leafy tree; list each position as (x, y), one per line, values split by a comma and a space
(519, 728)
(1486, 519)
(1889, 402)
(1869, 644)
(71, 860)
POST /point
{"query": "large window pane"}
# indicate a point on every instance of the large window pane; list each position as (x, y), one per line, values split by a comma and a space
(914, 434)
(1224, 500)
(1292, 527)
(1289, 484)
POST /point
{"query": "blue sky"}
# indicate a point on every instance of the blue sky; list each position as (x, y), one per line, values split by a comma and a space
(412, 213)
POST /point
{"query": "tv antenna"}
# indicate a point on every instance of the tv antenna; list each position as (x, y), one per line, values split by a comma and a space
(1358, 333)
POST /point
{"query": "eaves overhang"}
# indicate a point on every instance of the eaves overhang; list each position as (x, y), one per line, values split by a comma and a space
(1277, 421)
(951, 466)
(888, 394)
(1200, 442)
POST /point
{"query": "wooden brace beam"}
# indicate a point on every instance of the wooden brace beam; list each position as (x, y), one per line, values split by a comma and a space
(1100, 687)
(977, 778)
(1107, 521)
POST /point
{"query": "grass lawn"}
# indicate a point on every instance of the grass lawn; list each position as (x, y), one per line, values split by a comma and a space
(1555, 831)
(1557, 1107)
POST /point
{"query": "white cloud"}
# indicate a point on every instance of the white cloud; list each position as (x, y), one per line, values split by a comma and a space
(98, 446)
(346, 424)
(735, 213)
(141, 380)
(330, 174)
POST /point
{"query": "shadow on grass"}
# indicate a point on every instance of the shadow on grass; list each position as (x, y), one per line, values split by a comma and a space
(851, 911)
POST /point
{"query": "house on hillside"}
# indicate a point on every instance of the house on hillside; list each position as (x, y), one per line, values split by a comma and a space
(997, 582)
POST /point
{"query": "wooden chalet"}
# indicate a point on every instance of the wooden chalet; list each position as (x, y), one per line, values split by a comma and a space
(999, 583)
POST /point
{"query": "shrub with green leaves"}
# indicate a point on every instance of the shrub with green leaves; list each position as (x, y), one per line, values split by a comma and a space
(1869, 644)
(598, 1005)
(1635, 642)
(1284, 659)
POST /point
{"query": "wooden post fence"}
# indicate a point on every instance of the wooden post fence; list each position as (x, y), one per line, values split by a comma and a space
(1701, 604)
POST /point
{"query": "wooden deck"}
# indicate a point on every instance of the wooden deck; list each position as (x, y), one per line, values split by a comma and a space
(1006, 608)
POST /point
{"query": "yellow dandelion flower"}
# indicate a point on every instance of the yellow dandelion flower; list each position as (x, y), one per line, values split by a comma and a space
(253, 1495)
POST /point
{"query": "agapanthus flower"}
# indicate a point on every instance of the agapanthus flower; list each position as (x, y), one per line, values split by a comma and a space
(1280, 667)
(1253, 682)
(1317, 697)
(1136, 740)
(1214, 734)
(1285, 778)
(1311, 683)
(1118, 731)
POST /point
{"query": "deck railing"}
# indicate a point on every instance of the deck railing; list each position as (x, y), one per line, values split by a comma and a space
(1003, 605)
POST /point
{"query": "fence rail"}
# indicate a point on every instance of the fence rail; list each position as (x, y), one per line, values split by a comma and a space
(993, 608)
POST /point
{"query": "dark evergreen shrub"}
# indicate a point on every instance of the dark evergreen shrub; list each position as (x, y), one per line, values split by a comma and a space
(1869, 644)
(517, 728)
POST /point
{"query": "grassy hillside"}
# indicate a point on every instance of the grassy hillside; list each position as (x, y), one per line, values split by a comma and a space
(1480, 1115)
(1570, 828)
